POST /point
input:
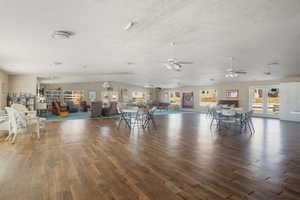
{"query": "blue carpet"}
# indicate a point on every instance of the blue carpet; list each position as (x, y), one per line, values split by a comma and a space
(72, 116)
(86, 115)
(168, 112)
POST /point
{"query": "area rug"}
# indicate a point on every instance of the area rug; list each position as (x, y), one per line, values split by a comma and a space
(86, 115)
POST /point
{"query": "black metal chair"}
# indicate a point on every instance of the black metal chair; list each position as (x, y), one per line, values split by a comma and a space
(149, 118)
(247, 123)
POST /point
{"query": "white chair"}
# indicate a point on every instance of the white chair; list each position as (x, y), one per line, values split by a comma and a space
(21, 108)
(29, 115)
(228, 117)
(228, 112)
(34, 120)
(34, 123)
(16, 122)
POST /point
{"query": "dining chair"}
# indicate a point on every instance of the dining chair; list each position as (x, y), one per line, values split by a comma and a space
(123, 116)
(139, 117)
(128, 114)
(216, 114)
(149, 118)
(210, 110)
(228, 117)
(248, 121)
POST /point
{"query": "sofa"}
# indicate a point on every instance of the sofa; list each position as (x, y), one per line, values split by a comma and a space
(57, 108)
(72, 108)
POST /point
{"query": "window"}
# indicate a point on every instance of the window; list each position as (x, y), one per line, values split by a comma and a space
(114, 96)
(208, 96)
(273, 101)
(138, 97)
(110, 96)
(175, 97)
(264, 100)
(105, 98)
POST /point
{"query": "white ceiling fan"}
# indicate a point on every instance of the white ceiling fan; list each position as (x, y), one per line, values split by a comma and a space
(233, 73)
(176, 65)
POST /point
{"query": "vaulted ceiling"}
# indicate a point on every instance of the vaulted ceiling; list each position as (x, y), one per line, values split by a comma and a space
(207, 32)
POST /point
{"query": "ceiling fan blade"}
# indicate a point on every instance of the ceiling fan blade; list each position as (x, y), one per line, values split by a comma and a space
(168, 66)
(177, 67)
(240, 72)
(185, 62)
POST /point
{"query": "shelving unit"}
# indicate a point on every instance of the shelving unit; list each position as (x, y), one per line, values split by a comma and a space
(53, 96)
(27, 100)
(63, 96)
(73, 95)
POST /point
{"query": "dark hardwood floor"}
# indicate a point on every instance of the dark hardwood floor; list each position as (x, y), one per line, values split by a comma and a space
(182, 159)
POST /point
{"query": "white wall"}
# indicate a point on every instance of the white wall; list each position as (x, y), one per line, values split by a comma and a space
(243, 88)
(22, 83)
(3, 88)
(290, 101)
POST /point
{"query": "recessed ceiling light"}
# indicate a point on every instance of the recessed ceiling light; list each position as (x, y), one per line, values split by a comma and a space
(62, 34)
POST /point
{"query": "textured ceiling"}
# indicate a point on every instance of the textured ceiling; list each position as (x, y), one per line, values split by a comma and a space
(207, 32)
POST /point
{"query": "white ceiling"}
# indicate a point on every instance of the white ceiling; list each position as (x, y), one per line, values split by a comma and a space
(207, 32)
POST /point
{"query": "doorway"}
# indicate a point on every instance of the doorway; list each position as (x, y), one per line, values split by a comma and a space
(265, 101)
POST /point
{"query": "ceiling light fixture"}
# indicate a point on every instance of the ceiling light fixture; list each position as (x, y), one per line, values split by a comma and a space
(231, 75)
(274, 64)
(149, 86)
(168, 66)
(57, 63)
(231, 72)
(106, 85)
(268, 73)
(269, 67)
(130, 25)
(173, 67)
(177, 67)
(62, 34)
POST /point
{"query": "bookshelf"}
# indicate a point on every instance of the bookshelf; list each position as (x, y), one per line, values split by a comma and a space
(63, 96)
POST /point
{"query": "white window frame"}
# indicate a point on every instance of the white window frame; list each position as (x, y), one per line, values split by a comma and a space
(207, 103)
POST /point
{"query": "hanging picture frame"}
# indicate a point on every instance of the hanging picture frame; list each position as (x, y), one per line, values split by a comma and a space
(187, 100)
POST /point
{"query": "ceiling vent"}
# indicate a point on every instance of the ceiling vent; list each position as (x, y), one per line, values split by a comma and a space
(60, 35)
